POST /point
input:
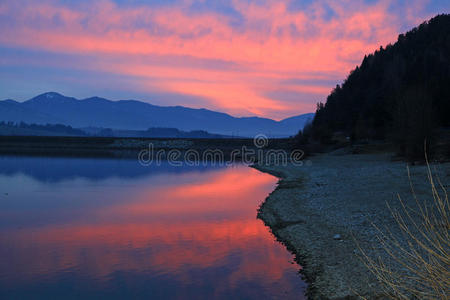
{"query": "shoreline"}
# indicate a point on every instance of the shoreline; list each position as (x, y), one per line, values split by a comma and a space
(321, 211)
(116, 147)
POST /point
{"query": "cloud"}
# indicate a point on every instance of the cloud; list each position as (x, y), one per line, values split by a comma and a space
(234, 53)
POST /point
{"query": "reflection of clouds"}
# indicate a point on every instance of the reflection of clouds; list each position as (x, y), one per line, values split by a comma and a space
(206, 222)
(162, 248)
(222, 194)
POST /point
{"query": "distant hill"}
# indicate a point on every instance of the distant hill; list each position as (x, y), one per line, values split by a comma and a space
(400, 93)
(55, 108)
(23, 129)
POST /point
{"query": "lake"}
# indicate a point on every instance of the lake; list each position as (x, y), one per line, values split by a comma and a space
(106, 228)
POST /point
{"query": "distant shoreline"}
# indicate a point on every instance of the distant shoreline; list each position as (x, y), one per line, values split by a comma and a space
(114, 147)
(318, 211)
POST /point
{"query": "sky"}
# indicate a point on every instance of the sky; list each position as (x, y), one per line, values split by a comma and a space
(268, 58)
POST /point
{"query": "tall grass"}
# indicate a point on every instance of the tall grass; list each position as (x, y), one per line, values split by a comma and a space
(418, 264)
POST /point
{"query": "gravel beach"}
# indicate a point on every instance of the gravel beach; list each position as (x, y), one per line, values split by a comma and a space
(321, 209)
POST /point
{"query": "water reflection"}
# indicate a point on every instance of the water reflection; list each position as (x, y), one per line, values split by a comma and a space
(189, 233)
(48, 169)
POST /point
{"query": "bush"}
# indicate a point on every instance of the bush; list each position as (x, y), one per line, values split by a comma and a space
(420, 264)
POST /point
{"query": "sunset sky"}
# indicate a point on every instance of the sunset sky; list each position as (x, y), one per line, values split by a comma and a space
(268, 58)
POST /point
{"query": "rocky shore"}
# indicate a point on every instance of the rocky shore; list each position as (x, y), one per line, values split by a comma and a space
(322, 210)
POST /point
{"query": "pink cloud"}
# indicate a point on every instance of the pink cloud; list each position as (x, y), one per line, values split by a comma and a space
(274, 43)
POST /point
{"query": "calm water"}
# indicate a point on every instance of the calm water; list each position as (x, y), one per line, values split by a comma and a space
(101, 228)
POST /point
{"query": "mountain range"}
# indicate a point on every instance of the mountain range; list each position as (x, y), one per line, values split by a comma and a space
(54, 108)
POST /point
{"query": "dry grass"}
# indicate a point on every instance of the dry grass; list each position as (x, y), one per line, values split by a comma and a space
(419, 259)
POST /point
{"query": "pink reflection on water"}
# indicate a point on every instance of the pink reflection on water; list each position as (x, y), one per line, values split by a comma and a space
(194, 221)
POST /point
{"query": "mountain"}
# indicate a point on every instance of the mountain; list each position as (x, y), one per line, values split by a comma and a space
(14, 111)
(55, 108)
(400, 93)
(294, 121)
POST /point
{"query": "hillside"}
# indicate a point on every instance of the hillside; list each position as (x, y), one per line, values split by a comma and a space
(54, 108)
(399, 93)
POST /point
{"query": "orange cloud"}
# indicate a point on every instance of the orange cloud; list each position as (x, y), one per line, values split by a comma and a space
(272, 43)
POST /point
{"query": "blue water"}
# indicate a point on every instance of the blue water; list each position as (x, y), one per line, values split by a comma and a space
(75, 228)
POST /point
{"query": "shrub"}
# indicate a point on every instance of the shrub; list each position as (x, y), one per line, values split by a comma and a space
(420, 262)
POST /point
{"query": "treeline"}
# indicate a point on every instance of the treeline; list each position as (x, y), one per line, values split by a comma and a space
(54, 129)
(400, 93)
(21, 128)
(156, 132)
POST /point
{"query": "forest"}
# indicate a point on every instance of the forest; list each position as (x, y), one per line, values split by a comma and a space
(400, 94)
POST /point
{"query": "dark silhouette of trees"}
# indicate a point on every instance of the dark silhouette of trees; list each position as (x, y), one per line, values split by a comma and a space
(400, 93)
(57, 129)
(413, 123)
